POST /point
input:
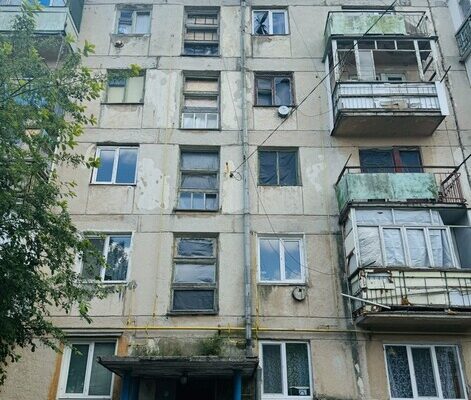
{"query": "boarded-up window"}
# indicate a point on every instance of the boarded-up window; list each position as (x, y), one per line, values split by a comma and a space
(278, 167)
(201, 32)
(200, 103)
(194, 276)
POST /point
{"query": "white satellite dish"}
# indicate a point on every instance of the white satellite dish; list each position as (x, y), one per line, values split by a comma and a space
(283, 111)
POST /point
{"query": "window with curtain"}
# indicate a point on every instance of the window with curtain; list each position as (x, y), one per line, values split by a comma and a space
(117, 165)
(199, 180)
(273, 90)
(115, 249)
(81, 374)
(424, 371)
(286, 369)
(390, 160)
(124, 88)
(395, 238)
(278, 167)
(194, 275)
(133, 21)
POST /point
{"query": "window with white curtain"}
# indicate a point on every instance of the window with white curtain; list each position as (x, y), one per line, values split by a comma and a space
(395, 238)
(82, 377)
(416, 371)
(286, 369)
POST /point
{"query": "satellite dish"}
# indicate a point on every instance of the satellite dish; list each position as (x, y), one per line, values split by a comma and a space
(283, 111)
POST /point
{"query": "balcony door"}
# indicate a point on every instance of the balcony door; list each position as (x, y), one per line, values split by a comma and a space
(390, 160)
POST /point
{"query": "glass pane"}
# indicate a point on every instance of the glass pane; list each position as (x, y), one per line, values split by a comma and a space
(394, 248)
(194, 273)
(283, 92)
(135, 89)
(398, 372)
(193, 300)
(369, 247)
(297, 364)
(118, 258)
(198, 201)
(449, 371)
(126, 172)
(188, 120)
(91, 268)
(292, 259)
(201, 160)
(125, 22)
(211, 201)
(115, 94)
(423, 370)
(195, 248)
(185, 200)
(278, 23)
(440, 248)
(200, 120)
(77, 369)
(212, 121)
(267, 174)
(105, 170)
(376, 161)
(260, 22)
(199, 181)
(366, 65)
(417, 248)
(100, 377)
(271, 368)
(269, 260)
(142, 22)
(287, 165)
(264, 93)
(410, 160)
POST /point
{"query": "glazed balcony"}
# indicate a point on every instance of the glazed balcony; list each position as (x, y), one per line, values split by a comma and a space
(398, 298)
(57, 17)
(463, 38)
(422, 185)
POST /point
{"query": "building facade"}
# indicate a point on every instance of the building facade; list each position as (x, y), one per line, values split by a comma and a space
(282, 198)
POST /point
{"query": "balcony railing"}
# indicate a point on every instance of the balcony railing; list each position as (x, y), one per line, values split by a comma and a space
(410, 289)
(434, 184)
(356, 23)
(463, 37)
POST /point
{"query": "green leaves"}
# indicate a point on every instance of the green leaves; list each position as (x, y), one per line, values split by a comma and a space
(42, 115)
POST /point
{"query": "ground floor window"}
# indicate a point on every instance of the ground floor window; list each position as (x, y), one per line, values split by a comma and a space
(81, 375)
(424, 372)
(286, 369)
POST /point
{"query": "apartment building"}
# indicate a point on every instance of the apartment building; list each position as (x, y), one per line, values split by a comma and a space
(282, 199)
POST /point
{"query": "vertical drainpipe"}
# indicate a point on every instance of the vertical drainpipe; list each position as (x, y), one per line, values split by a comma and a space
(246, 218)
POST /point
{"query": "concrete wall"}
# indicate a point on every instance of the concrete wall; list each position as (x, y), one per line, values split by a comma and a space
(343, 368)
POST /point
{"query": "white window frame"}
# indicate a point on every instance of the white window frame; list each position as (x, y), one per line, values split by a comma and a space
(270, 21)
(284, 376)
(435, 370)
(302, 258)
(106, 247)
(405, 247)
(117, 150)
(66, 365)
(134, 11)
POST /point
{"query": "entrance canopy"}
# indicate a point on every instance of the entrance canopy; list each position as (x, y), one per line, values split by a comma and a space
(174, 367)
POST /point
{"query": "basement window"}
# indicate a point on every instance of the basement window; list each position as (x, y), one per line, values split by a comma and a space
(199, 180)
(270, 22)
(278, 167)
(123, 88)
(281, 260)
(194, 275)
(416, 371)
(115, 249)
(81, 374)
(201, 32)
(200, 102)
(273, 90)
(286, 369)
(133, 22)
(117, 165)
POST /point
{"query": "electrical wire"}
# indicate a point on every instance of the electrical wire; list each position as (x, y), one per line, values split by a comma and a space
(315, 87)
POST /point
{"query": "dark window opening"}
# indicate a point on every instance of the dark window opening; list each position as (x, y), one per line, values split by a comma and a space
(390, 160)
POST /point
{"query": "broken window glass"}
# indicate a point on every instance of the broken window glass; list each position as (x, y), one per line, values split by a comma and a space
(261, 23)
(270, 22)
(278, 167)
(273, 90)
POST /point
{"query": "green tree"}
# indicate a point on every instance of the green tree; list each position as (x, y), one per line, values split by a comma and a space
(42, 114)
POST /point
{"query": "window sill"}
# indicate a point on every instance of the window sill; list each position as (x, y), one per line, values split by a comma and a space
(201, 55)
(122, 104)
(279, 186)
(184, 313)
(112, 184)
(146, 35)
(272, 106)
(281, 283)
(270, 35)
(194, 210)
(201, 129)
